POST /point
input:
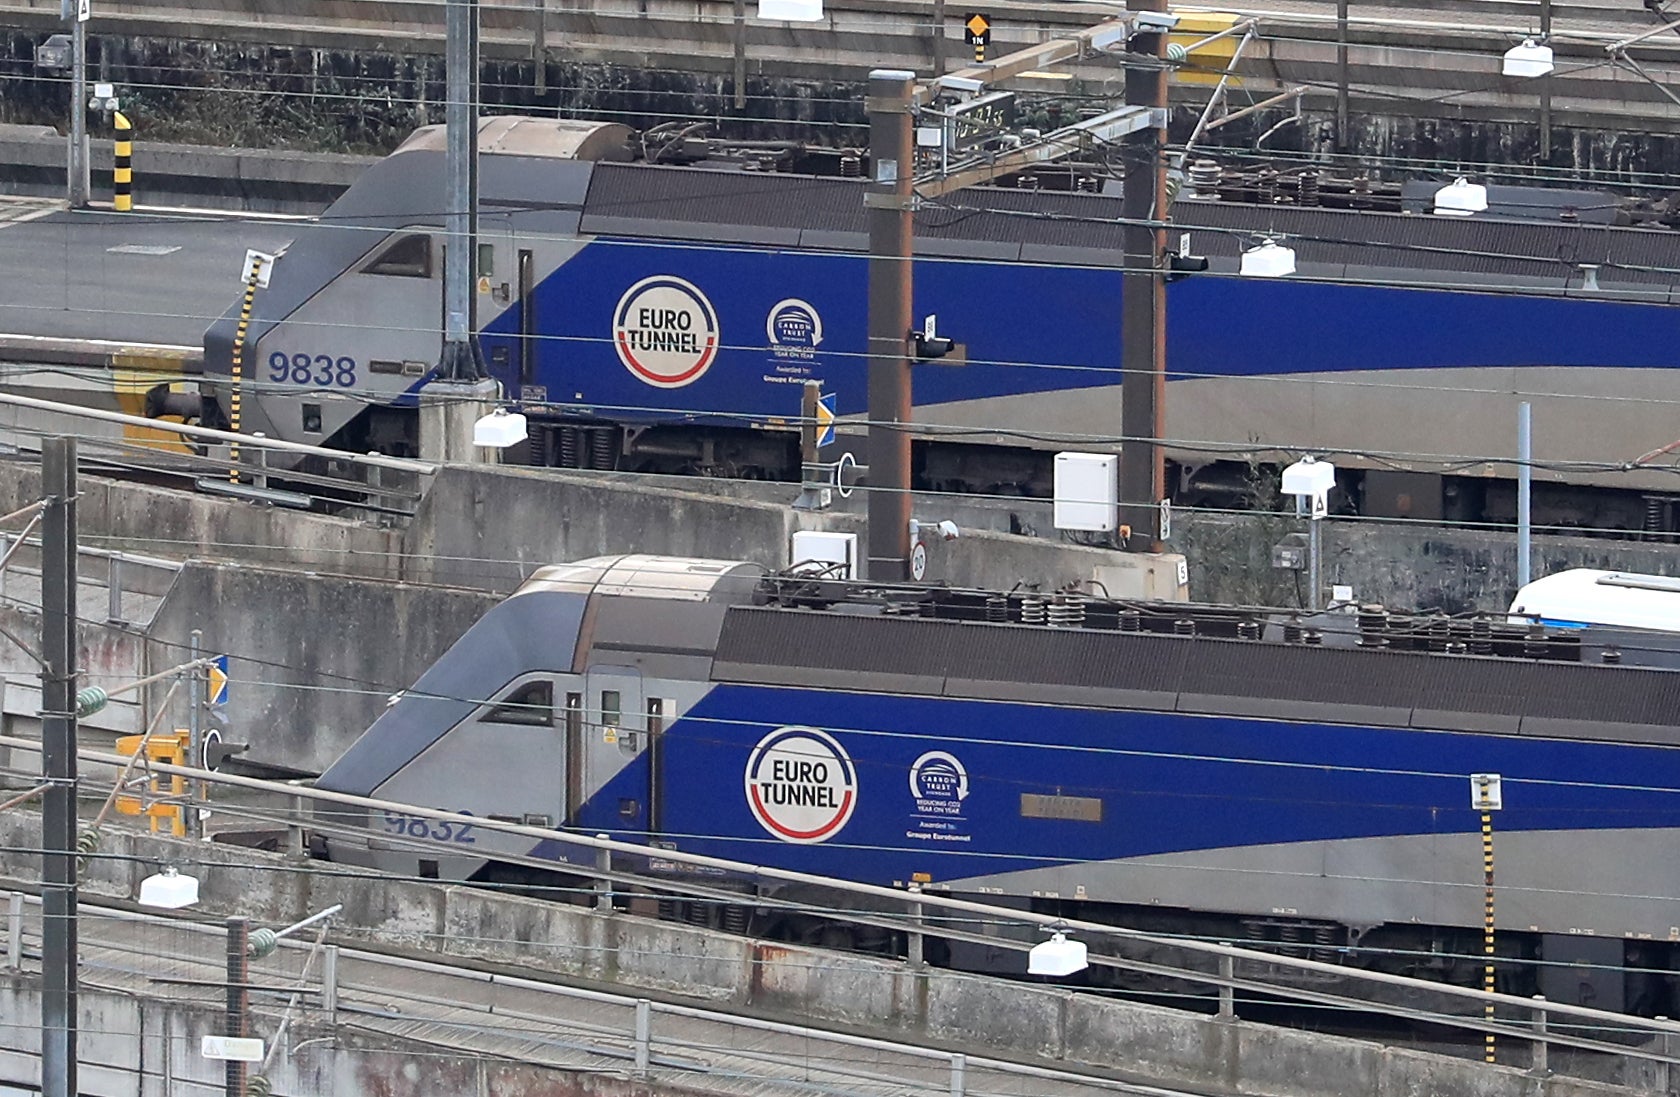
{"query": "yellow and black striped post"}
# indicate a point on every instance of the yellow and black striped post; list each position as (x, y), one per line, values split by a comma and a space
(1487, 924)
(238, 371)
(122, 174)
(979, 51)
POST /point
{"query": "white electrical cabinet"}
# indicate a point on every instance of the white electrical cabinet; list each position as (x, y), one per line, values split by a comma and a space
(828, 548)
(1087, 491)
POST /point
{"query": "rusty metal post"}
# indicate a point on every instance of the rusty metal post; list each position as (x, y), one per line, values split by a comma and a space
(890, 203)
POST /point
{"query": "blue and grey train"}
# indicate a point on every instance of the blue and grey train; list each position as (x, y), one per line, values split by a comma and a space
(1300, 781)
(663, 318)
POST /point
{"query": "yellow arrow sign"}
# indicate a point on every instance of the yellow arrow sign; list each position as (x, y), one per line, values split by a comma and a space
(218, 681)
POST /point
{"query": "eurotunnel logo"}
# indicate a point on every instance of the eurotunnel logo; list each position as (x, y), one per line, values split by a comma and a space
(794, 328)
(665, 331)
(801, 785)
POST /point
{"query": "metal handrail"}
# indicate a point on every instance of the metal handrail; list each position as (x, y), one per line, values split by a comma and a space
(1224, 954)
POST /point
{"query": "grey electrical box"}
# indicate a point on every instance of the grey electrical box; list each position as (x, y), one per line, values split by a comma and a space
(1290, 554)
(54, 53)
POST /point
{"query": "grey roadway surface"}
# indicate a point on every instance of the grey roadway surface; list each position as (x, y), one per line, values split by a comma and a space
(473, 1014)
(140, 277)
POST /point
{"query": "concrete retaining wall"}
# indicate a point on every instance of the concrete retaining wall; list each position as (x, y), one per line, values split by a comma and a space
(802, 985)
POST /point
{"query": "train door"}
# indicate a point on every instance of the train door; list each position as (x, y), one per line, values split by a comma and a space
(501, 317)
(616, 701)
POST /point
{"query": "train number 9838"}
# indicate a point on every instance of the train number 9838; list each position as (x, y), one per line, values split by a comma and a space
(438, 830)
(320, 370)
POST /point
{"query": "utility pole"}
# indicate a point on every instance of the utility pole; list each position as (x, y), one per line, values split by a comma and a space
(77, 11)
(462, 359)
(58, 769)
(890, 201)
(1143, 295)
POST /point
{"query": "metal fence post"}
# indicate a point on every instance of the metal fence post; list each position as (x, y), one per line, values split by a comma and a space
(1664, 1071)
(959, 1074)
(644, 1035)
(114, 587)
(14, 932)
(1227, 992)
(329, 983)
(294, 830)
(1537, 1057)
(603, 885)
(913, 940)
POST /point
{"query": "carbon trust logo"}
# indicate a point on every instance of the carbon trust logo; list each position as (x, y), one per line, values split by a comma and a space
(794, 328)
(665, 331)
(801, 785)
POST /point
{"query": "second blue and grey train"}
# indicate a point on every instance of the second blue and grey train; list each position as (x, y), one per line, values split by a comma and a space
(1303, 782)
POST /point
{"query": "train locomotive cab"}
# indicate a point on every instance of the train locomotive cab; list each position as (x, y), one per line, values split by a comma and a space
(594, 660)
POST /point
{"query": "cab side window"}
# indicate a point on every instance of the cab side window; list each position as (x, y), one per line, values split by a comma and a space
(406, 257)
(531, 704)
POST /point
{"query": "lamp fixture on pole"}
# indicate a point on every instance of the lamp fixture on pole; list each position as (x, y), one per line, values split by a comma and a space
(1057, 957)
(1527, 59)
(1270, 260)
(1461, 198)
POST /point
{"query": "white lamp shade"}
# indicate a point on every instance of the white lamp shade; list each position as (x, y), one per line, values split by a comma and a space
(791, 11)
(1058, 956)
(1461, 198)
(1269, 260)
(1309, 476)
(1528, 59)
(499, 429)
(169, 890)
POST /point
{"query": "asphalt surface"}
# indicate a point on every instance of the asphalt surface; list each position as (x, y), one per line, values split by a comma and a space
(141, 277)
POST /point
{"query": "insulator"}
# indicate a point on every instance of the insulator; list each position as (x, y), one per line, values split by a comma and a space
(1131, 621)
(1481, 636)
(735, 918)
(1032, 610)
(1362, 192)
(1066, 611)
(1185, 626)
(258, 1086)
(851, 166)
(1457, 647)
(90, 701)
(1266, 186)
(1306, 188)
(1248, 630)
(1439, 630)
(997, 608)
(1205, 177)
(1085, 184)
(1611, 655)
(1292, 631)
(1373, 623)
(87, 844)
(1027, 182)
(262, 942)
(1534, 644)
(1312, 637)
(1653, 515)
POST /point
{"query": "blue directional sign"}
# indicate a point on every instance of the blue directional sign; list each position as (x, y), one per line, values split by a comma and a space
(827, 408)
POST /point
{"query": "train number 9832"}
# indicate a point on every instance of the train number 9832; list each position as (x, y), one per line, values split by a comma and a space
(438, 830)
(319, 370)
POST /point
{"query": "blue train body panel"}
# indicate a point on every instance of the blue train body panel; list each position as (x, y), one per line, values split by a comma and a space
(1166, 783)
(1026, 329)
